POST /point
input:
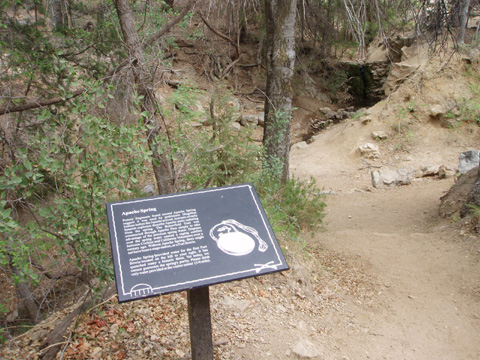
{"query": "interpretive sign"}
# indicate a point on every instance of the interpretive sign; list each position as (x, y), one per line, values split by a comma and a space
(181, 241)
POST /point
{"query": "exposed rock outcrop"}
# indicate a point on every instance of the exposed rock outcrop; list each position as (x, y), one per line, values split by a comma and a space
(369, 151)
(468, 160)
(392, 177)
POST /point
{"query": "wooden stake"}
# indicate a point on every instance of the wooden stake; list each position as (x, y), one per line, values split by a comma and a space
(200, 323)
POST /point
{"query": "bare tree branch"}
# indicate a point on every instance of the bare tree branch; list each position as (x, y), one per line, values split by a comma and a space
(212, 29)
(156, 36)
(169, 25)
(162, 165)
(49, 275)
(38, 104)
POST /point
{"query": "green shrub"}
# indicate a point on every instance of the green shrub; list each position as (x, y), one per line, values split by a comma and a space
(53, 191)
(215, 153)
(469, 110)
(293, 207)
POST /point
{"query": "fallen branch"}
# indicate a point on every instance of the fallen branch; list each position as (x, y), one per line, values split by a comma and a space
(49, 275)
(169, 25)
(52, 344)
(254, 92)
(229, 68)
(370, 166)
(249, 65)
(255, 101)
(38, 104)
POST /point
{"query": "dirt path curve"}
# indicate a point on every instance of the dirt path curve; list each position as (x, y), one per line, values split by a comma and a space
(389, 279)
(425, 274)
(427, 306)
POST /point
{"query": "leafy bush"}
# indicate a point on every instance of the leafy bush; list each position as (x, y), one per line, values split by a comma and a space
(213, 155)
(292, 207)
(53, 190)
(469, 110)
(469, 107)
(68, 161)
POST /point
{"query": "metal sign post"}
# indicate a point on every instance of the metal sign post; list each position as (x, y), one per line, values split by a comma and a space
(200, 323)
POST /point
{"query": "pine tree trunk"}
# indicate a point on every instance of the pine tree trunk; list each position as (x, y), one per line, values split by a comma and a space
(280, 23)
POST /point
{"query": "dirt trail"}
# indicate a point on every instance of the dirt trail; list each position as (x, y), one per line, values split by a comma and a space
(425, 274)
(426, 307)
(389, 279)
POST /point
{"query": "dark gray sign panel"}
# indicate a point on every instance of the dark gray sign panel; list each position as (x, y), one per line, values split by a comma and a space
(181, 241)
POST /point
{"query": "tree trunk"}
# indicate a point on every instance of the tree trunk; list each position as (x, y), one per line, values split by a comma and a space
(280, 24)
(102, 9)
(463, 21)
(328, 39)
(161, 163)
(302, 20)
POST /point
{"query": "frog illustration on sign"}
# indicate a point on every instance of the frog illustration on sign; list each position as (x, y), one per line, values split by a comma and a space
(236, 239)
